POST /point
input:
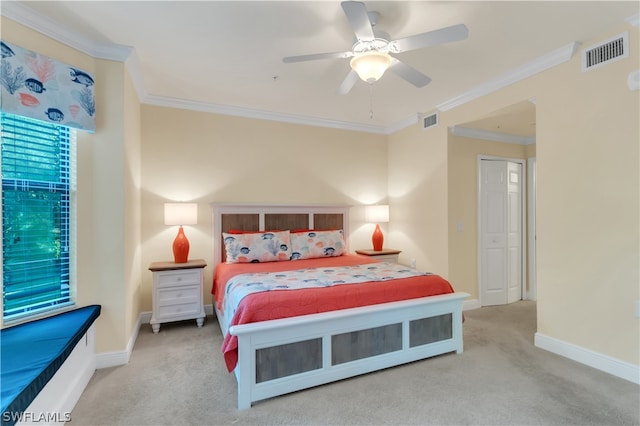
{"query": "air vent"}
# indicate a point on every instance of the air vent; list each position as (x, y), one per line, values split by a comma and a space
(430, 120)
(606, 52)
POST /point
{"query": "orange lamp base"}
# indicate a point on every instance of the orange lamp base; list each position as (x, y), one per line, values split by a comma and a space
(377, 238)
(180, 247)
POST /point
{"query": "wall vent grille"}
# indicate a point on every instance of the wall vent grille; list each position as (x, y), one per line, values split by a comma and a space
(604, 53)
(430, 120)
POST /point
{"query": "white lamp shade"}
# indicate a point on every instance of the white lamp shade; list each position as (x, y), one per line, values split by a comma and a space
(370, 65)
(180, 214)
(376, 214)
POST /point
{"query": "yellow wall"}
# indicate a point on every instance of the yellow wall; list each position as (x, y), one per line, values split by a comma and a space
(588, 206)
(209, 158)
(108, 207)
(418, 197)
(132, 175)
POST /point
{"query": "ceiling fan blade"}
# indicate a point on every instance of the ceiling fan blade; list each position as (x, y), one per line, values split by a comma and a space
(315, 56)
(431, 38)
(350, 81)
(412, 75)
(358, 19)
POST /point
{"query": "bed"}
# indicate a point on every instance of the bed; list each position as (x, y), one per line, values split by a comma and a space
(348, 314)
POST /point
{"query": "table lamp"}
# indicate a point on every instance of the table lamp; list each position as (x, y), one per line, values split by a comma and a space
(180, 214)
(377, 214)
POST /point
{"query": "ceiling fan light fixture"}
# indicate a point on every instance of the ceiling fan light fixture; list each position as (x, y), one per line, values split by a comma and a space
(371, 65)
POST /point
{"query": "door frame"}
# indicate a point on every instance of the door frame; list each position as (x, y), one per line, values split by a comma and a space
(532, 185)
(523, 219)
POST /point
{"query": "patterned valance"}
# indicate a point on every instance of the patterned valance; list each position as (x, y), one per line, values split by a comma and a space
(39, 87)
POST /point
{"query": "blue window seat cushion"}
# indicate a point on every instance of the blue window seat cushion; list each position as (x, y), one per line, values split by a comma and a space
(31, 353)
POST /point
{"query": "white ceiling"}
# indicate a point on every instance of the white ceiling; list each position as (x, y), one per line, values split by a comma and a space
(227, 55)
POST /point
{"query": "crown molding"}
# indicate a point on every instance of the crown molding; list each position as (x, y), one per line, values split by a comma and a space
(487, 135)
(536, 66)
(40, 23)
(44, 25)
(258, 114)
(135, 73)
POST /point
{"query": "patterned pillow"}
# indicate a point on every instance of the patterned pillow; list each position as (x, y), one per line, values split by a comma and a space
(312, 244)
(257, 247)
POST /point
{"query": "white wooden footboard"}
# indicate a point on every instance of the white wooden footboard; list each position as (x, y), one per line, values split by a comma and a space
(402, 319)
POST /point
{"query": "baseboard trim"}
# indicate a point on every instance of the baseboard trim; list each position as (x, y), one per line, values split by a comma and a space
(114, 359)
(469, 305)
(616, 367)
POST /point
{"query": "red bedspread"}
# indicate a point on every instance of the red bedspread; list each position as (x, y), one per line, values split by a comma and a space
(289, 303)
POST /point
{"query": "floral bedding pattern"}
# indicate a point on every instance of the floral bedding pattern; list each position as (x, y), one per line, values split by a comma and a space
(243, 285)
(314, 244)
(257, 247)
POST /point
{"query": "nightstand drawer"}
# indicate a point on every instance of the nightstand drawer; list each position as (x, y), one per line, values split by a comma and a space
(190, 294)
(178, 310)
(393, 258)
(384, 255)
(178, 302)
(178, 278)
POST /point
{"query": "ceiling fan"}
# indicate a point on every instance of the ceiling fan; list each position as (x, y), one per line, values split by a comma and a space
(370, 54)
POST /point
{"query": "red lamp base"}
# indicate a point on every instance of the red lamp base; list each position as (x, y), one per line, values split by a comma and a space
(180, 247)
(377, 238)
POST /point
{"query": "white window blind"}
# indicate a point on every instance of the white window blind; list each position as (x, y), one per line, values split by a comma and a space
(35, 216)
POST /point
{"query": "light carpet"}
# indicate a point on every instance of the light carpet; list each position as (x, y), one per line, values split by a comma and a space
(178, 377)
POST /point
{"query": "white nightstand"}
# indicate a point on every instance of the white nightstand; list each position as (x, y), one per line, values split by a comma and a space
(384, 255)
(177, 292)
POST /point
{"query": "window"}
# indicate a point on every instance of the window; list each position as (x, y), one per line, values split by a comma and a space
(36, 191)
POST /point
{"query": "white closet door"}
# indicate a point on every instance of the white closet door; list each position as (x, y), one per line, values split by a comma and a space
(493, 268)
(500, 260)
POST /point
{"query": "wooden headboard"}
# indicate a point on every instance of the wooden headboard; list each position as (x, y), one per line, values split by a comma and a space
(264, 217)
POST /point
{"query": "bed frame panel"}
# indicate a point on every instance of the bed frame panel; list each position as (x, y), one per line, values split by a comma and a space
(285, 355)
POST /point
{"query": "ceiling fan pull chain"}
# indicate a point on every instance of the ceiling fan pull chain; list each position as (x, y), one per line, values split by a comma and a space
(371, 101)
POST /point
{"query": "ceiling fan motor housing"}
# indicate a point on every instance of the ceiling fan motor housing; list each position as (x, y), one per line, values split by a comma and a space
(380, 43)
